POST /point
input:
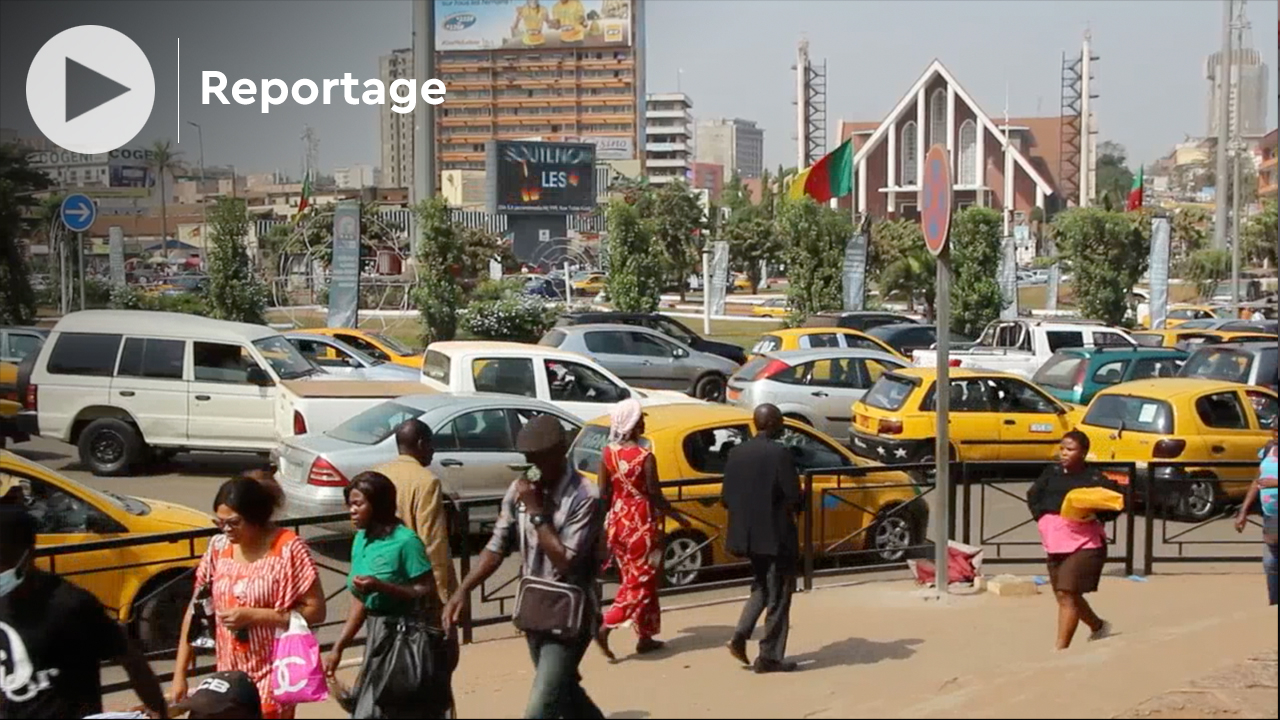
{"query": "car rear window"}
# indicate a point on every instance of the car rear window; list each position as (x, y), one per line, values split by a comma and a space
(589, 447)
(555, 338)
(890, 392)
(1149, 339)
(1132, 413)
(767, 343)
(748, 371)
(374, 425)
(1060, 372)
(91, 354)
(436, 367)
(1219, 364)
(1059, 339)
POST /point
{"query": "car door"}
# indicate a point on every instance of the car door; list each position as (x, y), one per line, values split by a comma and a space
(662, 363)
(1229, 435)
(833, 386)
(579, 389)
(612, 349)
(64, 517)
(149, 383)
(473, 450)
(974, 421)
(1031, 424)
(841, 509)
(225, 409)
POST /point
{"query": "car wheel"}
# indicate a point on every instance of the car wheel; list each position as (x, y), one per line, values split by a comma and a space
(1200, 499)
(164, 604)
(710, 388)
(893, 535)
(110, 447)
(686, 555)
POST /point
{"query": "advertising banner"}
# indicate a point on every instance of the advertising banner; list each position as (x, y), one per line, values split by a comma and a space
(1009, 277)
(1159, 301)
(344, 269)
(719, 276)
(115, 253)
(854, 274)
(531, 24)
(541, 177)
(612, 147)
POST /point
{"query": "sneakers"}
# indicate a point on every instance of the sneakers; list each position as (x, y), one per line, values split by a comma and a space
(1102, 633)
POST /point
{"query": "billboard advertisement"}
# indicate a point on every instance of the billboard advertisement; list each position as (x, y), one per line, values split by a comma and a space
(541, 177)
(531, 24)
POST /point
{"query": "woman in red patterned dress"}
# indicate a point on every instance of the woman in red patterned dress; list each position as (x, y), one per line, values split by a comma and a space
(629, 487)
(260, 574)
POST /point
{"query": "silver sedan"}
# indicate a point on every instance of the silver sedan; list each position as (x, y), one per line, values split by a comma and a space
(647, 358)
(338, 358)
(816, 387)
(474, 438)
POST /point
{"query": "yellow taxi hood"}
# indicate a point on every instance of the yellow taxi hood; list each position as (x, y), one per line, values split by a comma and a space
(171, 517)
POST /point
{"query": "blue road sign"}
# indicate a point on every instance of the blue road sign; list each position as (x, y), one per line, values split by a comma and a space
(78, 212)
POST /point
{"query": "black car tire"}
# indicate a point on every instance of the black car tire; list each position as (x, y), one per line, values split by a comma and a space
(164, 603)
(1199, 499)
(711, 387)
(893, 534)
(109, 447)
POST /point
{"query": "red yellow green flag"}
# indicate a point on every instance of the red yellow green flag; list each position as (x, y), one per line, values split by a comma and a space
(830, 177)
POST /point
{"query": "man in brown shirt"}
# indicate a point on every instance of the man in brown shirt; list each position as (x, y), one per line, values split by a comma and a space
(420, 499)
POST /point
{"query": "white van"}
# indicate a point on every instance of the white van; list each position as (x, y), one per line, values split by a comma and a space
(127, 385)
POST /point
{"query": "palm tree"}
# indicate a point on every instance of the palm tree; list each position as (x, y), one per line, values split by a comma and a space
(164, 159)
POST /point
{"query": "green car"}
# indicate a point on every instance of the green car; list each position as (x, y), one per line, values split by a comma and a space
(1075, 375)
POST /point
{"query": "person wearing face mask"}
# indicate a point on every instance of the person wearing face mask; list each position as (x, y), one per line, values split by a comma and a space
(54, 635)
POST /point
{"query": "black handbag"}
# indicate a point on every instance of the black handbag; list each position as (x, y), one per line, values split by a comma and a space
(412, 667)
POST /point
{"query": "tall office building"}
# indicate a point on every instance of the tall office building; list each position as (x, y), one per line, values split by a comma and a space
(395, 130)
(1249, 81)
(669, 141)
(733, 143)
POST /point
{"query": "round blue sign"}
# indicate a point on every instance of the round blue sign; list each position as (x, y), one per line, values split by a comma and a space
(78, 212)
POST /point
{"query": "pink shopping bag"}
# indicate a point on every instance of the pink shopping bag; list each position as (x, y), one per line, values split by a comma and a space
(297, 675)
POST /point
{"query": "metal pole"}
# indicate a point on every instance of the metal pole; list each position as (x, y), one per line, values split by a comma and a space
(706, 292)
(80, 264)
(1224, 122)
(64, 275)
(942, 404)
(568, 284)
(200, 136)
(1237, 154)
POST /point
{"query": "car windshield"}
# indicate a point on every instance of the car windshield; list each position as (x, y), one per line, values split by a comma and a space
(374, 425)
(589, 447)
(1060, 372)
(889, 393)
(1219, 364)
(1130, 413)
(671, 328)
(394, 345)
(288, 363)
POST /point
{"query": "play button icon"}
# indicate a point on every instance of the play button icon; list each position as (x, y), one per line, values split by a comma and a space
(90, 89)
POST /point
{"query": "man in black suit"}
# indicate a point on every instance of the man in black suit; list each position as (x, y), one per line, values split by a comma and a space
(762, 494)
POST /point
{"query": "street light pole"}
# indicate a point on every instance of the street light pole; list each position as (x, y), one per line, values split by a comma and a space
(200, 136)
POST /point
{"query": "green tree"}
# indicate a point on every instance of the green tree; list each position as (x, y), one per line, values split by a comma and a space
(18, 220)
(1258, 237)
(1206, 268)
(900, 264)
(635, 268)
(1188, 234)
(1114, 177)
(814, 237)
(164, 160)
(675, 216)
(479, 246)
(1107, 252)
(752, 240)
(235, 292)
(975, 253)
(440, 260)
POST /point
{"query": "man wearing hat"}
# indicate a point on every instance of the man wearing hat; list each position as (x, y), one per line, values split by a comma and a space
(222, 695)
(555, 519)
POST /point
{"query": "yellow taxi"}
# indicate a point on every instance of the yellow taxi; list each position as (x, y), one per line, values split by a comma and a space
(1179, 314)
(589, 283)
(994, 416)
(773, 308)
(693, 443)
(377, 345)
(1189, 338)
(804, 338)
(741, 283)
(1184, 420)
(148, 586)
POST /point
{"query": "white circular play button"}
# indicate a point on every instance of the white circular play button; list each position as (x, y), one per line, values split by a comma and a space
(90, 89)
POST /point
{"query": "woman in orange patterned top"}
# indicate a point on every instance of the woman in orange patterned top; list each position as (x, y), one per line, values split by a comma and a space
(260, 574)
(629, 487)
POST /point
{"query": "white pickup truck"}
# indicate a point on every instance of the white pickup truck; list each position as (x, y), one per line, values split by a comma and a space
(1022, 346)
(568, 380)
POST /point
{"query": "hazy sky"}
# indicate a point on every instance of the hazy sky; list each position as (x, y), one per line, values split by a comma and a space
(736, 57)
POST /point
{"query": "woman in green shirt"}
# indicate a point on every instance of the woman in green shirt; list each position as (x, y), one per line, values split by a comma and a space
(390, 579)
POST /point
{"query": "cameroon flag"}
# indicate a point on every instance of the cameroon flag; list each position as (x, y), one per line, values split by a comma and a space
(1135, 192)
(830, 177)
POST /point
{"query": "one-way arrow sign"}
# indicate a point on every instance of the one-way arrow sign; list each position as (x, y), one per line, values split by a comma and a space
(78, 212)
(86, 89)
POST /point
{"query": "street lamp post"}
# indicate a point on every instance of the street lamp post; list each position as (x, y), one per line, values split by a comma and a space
(200, 137)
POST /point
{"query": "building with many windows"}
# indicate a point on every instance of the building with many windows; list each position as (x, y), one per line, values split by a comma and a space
(395, 130)
(1267, 167)
(668, 148)
(735, 144)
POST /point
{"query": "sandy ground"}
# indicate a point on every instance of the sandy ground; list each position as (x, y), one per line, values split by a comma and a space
(883, 650)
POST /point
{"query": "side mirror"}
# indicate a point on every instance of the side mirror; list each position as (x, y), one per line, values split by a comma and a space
(679, 353)
(257, 376)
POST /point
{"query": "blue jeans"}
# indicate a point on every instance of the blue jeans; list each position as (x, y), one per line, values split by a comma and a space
(1270, 564)
(557, 687)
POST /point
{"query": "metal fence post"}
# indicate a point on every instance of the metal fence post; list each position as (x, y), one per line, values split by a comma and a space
(808, 532)
(1149, 522)
(1128, 514)
(966, 522)
(464, 519)
(952, 500)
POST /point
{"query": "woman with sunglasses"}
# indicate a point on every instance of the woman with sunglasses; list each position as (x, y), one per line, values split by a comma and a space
(260, 574)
